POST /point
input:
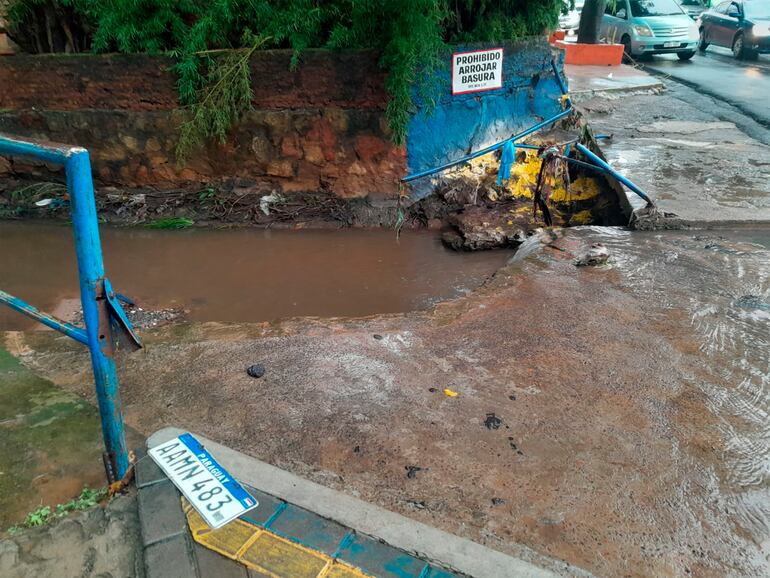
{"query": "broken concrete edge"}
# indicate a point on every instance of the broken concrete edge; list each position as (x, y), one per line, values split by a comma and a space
(579, 96)
(459, 554)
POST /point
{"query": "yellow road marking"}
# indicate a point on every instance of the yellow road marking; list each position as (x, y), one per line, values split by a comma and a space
(265, 551)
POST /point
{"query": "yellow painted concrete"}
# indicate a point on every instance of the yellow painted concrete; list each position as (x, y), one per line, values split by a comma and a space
(280, 557)
(265, 551)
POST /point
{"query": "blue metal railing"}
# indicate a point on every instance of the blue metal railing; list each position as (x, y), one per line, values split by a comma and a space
(101, 311)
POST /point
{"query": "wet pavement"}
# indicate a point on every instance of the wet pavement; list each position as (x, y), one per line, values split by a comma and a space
(243, 274)
(632, 400)
(687, 155)
(744, 84)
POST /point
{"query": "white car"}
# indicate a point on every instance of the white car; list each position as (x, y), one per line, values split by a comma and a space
(570, 22)
(647, 27)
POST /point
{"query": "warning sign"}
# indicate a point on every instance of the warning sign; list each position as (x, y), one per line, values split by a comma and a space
(477, 70)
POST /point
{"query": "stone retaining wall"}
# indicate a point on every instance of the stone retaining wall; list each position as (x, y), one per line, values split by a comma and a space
(318, 128)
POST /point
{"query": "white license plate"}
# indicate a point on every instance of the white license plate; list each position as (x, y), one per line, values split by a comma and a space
(211, 490)
(671, 44)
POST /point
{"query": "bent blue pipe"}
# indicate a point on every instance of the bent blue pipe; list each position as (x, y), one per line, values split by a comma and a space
(98, 333)
(25, 308)
(603, 164)
(562, 86)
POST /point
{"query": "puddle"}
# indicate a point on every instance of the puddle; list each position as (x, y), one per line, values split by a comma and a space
(244, 275)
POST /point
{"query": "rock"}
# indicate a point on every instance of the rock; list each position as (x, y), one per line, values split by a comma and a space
(596, 255)
(478, 228)
(280, 168)
(256, 371)
(653, 219)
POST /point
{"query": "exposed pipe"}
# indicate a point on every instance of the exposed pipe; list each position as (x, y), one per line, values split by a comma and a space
(603, 164)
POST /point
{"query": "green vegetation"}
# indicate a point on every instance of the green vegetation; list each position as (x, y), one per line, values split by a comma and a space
(46, 433)
(213, 39)
(44, 515)
(171, 223)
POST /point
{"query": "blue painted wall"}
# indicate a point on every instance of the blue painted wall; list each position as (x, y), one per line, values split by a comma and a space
(464, 123)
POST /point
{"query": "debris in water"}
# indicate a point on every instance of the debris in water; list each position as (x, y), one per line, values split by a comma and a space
(417, 504)
(450, 393)
(654, 219)
(411, 471)
(492, 421)
(256, 371)
(514, 447)
(752, 302)
(267, 200)
(596, 255)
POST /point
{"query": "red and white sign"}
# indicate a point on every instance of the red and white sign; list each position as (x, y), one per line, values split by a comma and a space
(477, 70)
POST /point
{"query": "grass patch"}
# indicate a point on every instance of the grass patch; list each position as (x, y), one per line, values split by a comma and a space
(44, 515)
(171, 223)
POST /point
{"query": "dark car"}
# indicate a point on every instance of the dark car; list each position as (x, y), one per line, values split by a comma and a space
(742, 25)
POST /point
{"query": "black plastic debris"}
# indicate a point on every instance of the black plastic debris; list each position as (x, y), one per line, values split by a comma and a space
(492, 421)
(411, 471)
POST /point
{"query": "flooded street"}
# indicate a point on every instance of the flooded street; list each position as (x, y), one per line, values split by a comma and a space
(243, 275)
(720, 281)
(632, 401)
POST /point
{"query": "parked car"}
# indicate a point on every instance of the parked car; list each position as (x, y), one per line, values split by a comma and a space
(650, 27)
(694, 8)
(570, 22)
(742, 25)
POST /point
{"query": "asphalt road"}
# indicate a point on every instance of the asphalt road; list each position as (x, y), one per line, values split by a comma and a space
(746, 85)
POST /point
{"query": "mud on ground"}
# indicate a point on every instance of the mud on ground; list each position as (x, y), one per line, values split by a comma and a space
(578, 429)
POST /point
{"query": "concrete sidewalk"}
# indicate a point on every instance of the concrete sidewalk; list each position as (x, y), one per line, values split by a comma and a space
(588, 81)
(304, 530)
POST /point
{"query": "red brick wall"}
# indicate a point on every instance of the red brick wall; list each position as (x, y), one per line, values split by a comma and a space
(136, 82)
(319, 127)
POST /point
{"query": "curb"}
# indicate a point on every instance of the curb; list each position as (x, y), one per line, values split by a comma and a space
(426, 542)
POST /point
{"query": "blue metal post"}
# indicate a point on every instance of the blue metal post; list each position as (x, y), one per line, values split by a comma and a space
(91, 272)
(97, 309)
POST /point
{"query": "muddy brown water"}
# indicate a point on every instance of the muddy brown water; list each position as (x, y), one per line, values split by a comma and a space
(243, 275)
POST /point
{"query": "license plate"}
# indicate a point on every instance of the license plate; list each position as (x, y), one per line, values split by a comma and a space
(211, 490)
(671, 44)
